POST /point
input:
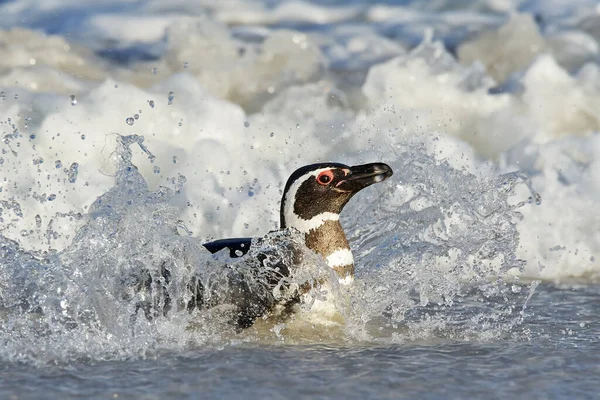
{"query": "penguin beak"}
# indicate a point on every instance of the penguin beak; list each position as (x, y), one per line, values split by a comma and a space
(361, 176)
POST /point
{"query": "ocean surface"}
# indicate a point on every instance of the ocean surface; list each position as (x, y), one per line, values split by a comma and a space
(134, 131)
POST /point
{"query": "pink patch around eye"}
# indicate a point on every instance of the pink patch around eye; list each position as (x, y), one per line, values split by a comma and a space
(325, 177)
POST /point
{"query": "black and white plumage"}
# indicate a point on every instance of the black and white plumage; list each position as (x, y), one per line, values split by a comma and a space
(312, 201)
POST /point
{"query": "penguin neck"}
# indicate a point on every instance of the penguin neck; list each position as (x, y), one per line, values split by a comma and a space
(329, 241)
(324, 235)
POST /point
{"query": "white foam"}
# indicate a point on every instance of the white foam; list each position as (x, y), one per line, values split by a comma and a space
(289, 11)
(251, 112)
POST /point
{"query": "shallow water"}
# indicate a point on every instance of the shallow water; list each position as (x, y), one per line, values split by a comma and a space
(134, 132)
(556, 357)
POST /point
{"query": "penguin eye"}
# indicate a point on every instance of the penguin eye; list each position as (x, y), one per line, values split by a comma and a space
(325, 177)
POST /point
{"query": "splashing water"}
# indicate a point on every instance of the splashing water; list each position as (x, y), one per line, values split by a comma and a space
(437, 248)
(72, 172)
(103, 297)
(435, 256)
(439, 304)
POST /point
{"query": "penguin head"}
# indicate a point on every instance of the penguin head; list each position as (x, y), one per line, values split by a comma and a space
(316, 193)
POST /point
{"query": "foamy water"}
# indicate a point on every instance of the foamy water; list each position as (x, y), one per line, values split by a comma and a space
(134, 132)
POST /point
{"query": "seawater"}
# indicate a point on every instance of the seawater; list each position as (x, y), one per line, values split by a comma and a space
(132, 133)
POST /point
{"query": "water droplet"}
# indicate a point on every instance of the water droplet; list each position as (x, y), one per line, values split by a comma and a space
(51, 197)
(272, 134)
(185, 64)
(24, 233)
(171, 97)
(38, 221)
(246, 124)
(83, 137)
(175, 160)
(32, 136)
(58, 164)
(151, 103)
(154, 70)
(116, 85)
(64, 304)
(73, 100)
(38, 161)
(180, 123)
(136, 116)
(16, 97)
(250, 193)
(156, 169)
(72, 172)
(297, 126)
(129, 121)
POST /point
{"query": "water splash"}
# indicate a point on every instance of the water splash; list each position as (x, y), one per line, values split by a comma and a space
(10, 205)
(435, 257)
(123, 286)
(438, 256)
(72, 172)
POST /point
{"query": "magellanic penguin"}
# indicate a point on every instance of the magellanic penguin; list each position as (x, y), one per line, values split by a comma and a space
(312, 201)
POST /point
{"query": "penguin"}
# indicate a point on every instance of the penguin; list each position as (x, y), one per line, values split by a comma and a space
(313, 198)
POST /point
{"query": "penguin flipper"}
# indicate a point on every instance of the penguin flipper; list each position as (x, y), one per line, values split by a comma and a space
(237, 246)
